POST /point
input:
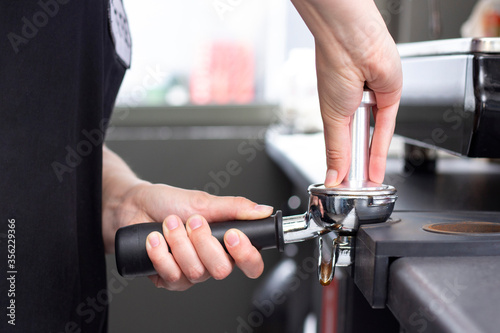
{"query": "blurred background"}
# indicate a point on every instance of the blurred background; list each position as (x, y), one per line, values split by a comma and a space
(208, 78)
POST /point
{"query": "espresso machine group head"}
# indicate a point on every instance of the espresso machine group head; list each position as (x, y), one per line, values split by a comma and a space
(339, 210)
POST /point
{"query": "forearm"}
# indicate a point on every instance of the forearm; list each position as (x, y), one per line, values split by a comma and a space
(117, 180)
(340, 25)
(341, 21)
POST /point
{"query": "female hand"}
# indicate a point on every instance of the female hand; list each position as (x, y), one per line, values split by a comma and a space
(353, 48)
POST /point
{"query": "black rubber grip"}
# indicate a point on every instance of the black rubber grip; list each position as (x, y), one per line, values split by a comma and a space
(130, 242)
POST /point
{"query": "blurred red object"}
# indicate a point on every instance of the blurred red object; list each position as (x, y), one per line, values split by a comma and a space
(491, 24)
(224, 72)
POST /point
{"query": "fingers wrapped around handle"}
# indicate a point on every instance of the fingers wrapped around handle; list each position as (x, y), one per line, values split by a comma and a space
(132, 258)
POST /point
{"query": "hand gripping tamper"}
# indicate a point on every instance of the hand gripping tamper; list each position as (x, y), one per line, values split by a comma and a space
(340, 210)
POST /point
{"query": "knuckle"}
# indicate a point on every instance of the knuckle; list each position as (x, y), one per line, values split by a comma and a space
(238, 204)
(200, 201)
(172, 276)
(335, 154)
(221, 271)
(247, 256)
(240, 201)
(377, 157)
(174, 240)
(157, 258)
(195, 273)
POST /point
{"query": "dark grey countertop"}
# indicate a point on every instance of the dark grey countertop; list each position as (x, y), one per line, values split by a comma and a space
(460, 294)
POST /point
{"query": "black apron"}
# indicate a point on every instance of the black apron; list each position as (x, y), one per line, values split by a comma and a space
(59, 76)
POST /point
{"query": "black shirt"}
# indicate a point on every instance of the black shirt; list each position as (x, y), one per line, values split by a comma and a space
(59, 76)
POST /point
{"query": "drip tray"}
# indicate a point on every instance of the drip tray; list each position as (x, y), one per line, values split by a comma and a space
(464, 228)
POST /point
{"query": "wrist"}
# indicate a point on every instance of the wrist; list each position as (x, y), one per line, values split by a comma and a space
(119, 206)
(343, 24)
(118, 200)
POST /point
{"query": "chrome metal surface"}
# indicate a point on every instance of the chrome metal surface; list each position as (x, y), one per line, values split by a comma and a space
(334, 251)
(449, 97)
(339, 209)
(294, 223)
(298, 228)
(345, 251)
(437, 81)
(360, 139)
(345, 209)
(346, 189)
(327, 259)
(450, 46)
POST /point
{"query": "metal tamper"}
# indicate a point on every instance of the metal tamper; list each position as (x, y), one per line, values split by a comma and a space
(337, 211)
(354, 202)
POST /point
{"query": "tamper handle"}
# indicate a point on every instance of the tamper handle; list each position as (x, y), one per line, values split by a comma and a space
(130, 242)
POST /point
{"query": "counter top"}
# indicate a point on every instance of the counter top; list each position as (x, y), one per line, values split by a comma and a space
(446, 294)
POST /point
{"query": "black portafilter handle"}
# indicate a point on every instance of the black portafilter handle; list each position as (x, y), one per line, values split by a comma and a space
(132, 259)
